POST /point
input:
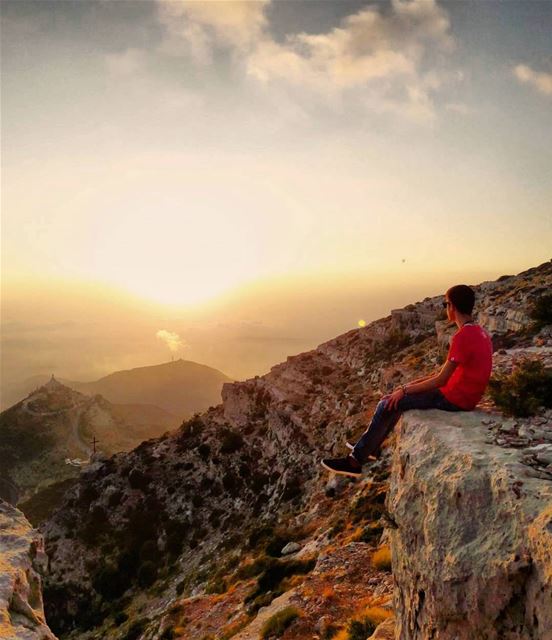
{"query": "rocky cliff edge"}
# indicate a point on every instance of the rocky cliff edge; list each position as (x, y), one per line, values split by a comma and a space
(22, 559)
(471, 554)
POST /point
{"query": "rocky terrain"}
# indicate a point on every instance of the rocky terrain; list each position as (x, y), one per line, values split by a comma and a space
(22, 560)
(472, 549)
(213, 530)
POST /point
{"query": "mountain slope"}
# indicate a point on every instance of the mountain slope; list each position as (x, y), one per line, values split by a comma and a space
(56, 423)
(181, 387)
(187, 530)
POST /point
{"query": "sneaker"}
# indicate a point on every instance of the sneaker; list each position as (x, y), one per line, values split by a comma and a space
(343, 467)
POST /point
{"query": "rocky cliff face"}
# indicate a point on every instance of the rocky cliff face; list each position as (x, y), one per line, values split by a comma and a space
(472, 554)
(22, 560)
(154, 533)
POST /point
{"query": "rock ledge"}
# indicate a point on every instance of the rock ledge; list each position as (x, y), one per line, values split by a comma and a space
(22, 557)
(472, 555)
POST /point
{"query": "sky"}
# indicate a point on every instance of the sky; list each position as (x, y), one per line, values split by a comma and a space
(280, 169)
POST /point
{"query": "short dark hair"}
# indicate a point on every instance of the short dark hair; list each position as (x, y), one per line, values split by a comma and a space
(462, 297)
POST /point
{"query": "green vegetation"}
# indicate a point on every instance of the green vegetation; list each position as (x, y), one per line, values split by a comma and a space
(41, 505)
(120, 617)
(135, 630)
(147, 574)
(231, 441)
(360, 629)
(22, 438)
(279, 622)
(270, 582)
(541, 311)
(522, 392)
(217, 584)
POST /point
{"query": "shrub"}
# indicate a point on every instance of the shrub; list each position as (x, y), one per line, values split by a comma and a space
(541, 311)
(279, 622)
(381, 559)
(521, 393)
(191, 428)
(251, 569)
(360, 629)
(138, 479)
(272, 577)
(135, 630)
(371, 533)
(147, 574)
(363, 626)
(120, 617)
(216, 585)
(231, 441)
(109, 582)
(204, 451)
(149, 551)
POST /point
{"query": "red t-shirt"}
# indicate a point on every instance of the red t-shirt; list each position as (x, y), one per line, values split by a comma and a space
(472, 349)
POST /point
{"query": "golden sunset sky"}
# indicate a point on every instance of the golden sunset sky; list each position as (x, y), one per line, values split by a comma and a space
(257, 177)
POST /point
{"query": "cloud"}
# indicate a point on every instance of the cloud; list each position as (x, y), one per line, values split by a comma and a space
(201, 27)
(460, 108)
(377, 58)
(126, 63)
(539, 80)
(172, 340)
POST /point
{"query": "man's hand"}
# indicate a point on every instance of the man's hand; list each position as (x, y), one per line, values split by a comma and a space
(393, 399)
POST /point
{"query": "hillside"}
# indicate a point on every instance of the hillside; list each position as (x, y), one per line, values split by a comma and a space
(55, 424)
(181, 387)
(188, 535)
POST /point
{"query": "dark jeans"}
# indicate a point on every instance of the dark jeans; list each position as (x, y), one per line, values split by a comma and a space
(383, 421)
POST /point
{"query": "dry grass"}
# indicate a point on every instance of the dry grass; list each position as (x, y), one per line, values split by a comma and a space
(377, 615)
(368, 617)
(381, 559)
(230, 630)
(355, 535)
(279, 622)
(328, 592)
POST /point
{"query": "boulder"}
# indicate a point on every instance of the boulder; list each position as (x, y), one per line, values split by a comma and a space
(472, 554)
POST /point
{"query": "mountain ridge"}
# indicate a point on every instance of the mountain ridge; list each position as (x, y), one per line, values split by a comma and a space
(139, 531)
(203, 384)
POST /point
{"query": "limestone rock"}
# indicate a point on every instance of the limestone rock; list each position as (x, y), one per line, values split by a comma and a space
(252, 631)
(291, 547)
(22, 558)
(384, 631)
(472, 555)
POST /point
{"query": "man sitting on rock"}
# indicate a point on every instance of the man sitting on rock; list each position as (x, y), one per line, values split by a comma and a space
(458, 386)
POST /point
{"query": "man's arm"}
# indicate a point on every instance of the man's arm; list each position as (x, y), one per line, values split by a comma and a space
(432, 382)
(428, 384)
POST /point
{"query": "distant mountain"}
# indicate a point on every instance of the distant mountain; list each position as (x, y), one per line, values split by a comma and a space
(181, 387)
(56, 423)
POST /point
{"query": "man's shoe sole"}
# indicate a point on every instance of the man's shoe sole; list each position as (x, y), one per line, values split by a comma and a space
(350, 474)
